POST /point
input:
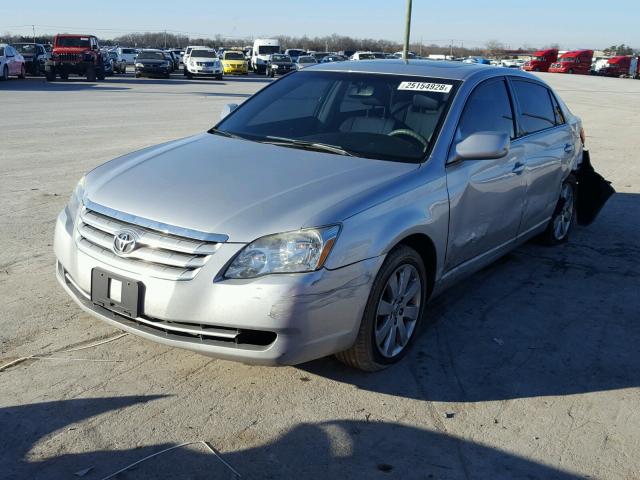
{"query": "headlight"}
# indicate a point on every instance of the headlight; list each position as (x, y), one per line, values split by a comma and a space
(291, 252)
(274, 66)
(76, 200)
(139, 65)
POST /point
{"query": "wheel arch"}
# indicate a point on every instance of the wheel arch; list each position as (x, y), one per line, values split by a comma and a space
(426, 248)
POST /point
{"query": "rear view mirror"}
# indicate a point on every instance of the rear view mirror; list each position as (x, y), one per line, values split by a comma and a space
(227, 109)
(483, 146)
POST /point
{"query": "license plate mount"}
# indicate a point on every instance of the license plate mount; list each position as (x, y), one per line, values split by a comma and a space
(116, 293)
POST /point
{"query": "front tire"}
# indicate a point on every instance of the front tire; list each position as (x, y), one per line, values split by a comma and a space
(564, 215)
(5, 73)
(393, 313)
(23, 73)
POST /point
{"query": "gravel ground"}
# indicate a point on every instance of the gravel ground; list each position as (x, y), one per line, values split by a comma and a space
(528, 369)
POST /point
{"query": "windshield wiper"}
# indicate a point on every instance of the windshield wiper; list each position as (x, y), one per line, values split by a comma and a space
(217, 131)
(319, 147)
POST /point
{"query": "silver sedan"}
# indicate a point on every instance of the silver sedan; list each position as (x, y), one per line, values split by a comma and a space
(321, 216)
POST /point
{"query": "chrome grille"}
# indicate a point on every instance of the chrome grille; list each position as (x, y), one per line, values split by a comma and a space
(157, 254)
(69, 57)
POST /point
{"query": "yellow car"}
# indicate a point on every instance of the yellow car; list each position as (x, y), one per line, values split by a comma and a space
(233, 62)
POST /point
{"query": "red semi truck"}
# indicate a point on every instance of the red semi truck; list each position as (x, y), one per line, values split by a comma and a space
(541, 60)
(577, 61)
(616, 66)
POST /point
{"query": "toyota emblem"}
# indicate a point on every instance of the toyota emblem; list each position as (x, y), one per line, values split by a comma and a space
(124, 242)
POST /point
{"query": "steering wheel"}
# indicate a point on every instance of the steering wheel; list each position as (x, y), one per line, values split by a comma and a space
(410, 133)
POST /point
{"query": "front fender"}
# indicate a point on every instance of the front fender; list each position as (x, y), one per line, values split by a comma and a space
(373, 232)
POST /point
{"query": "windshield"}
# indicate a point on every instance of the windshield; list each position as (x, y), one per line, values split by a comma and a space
(203, 54)
(150, 56)
(234, 56)
(268, 49)
(366, 56)
(27, 48)
(128, 51)
(567, 59)
(78, 42)
(280, 58)
(307, 60)
(388, 117)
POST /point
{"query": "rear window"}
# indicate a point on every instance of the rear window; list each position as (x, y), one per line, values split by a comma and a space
(536, 110)
(128, 51)
(25, 48)
(1, 51)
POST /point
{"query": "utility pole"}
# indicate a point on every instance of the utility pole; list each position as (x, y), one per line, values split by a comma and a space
(165, 39)
(451, 49)
(33, 27)
(407, 32)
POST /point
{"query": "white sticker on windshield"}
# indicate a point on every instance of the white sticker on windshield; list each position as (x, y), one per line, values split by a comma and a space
(425, 87)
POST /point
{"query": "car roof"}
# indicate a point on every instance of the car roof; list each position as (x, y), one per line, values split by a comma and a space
(423, 68)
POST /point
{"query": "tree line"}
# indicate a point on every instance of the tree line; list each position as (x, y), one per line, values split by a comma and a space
(331, 43)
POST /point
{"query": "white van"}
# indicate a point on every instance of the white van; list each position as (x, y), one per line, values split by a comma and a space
(262, 49)
(127, 54)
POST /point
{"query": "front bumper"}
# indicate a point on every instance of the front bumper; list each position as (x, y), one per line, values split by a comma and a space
(302, 316)
(153, 70)
(204, 71)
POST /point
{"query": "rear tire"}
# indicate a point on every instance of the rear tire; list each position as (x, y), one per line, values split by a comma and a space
(564, 215)
(50, 75)
(22, 73)
(393, 313)
(91, 74)
(5, 73)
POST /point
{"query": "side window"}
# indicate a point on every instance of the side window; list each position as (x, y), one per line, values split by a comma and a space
(487, 110)
(536, 110)
(557, 110)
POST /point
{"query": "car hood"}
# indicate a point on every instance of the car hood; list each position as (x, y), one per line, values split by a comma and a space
(239, 188)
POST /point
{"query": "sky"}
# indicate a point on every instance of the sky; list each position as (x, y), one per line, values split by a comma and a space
(515, 23)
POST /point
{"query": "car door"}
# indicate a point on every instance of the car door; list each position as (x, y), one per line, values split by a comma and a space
(10, 55)
(485, 196)
(548, 142)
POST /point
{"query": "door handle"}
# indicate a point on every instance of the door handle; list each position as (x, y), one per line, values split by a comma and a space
(518, 168)
(568, 148)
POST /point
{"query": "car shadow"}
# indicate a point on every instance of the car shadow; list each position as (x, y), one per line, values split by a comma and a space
(334, 449)
(541, 321)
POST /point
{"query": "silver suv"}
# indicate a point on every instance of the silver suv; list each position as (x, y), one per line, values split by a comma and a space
(320, 216)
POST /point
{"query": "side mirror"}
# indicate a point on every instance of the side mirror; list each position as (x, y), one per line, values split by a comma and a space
(227, 109)
(482, 146)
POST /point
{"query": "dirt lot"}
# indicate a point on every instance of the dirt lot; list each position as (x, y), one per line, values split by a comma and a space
(530, 369)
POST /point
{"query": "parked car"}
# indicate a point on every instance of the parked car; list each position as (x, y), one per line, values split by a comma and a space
(363, 56)
(119, 63)
(178, 54)
(128, 54)
(204, 62)
(577, 61)
(75, 54)
(616, 66)
(152, 63)
(234, 62)
(321, 215)
(478, 60)
(320, 55)
(108, 63)
(333, 58)
(541, 60)
(35, 56)
(305, 61)
(187, 53)
(262, 49)
(174, 60)
(11, 62)
(294, 53)
(279, 64)
(512, 63)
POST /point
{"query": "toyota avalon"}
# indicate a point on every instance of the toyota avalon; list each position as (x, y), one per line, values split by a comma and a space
(321, 215)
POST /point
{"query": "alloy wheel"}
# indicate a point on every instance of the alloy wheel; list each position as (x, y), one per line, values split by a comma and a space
(562, 221)
(398, 310)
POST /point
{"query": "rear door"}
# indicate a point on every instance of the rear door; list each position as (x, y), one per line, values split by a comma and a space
(548, 143)
(485, 196)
